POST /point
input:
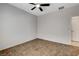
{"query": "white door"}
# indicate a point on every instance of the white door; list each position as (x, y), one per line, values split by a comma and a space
(75, 28)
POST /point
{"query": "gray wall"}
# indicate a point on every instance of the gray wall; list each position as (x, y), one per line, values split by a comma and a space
(16, 26)
(56, 26)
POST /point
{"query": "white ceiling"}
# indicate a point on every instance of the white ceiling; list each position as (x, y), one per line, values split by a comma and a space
(53, 7)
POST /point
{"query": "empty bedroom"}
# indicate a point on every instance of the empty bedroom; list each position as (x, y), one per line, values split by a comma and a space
(39, 29)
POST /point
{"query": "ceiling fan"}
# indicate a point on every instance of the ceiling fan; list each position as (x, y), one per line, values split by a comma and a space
(37, 5)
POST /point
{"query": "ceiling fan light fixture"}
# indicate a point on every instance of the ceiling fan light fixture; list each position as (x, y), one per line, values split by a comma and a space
(37, 5)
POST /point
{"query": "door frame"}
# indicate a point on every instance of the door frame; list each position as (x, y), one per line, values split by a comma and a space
(72, 31)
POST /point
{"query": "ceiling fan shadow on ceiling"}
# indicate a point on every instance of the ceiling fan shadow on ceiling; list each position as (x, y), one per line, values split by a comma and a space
(37, 5)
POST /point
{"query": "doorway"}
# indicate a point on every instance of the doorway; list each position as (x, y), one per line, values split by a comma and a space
(75, 31)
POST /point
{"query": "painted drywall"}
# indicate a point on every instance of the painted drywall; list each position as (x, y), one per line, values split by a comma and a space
(16, 26)
(56, 26)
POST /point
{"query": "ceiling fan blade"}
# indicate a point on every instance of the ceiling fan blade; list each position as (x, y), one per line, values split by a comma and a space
(33, 8)
(44, 4)
(40, 9)
(32, 3)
